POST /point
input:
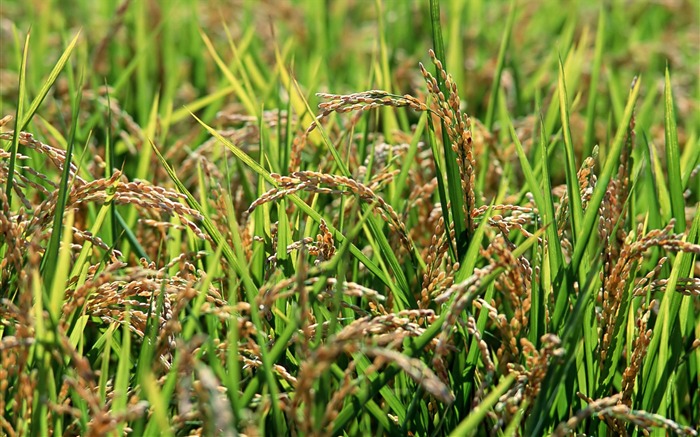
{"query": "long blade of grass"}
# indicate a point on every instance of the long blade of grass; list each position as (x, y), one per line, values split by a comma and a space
(663, 352)
(19, 115)
(402, 291)
(110, 229)
(673, 164)
(690, 159)
(442, 189)
(124, 366)
(48, 83)
(545, 207)
(464, 378)
(573, 189)
(555, 381)
(500, 64)
(472, 422)
(593, 89)
(384, 77)
(296, 97)
(45, 338)
(48, 262)
(235, 83)
(160, 422)
(400, 181)
(591, 216)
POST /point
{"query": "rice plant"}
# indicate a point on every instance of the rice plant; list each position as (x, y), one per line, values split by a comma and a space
(349, 218)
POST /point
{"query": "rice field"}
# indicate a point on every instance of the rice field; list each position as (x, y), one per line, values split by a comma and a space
(308, 218)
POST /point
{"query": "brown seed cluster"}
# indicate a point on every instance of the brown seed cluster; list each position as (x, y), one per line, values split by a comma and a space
(610, 409)
(458, 127)
(310, 181)
(380, 337)
(615, 284)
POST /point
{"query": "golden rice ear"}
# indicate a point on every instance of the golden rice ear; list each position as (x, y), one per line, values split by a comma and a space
(458, 127)
(309, 181)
